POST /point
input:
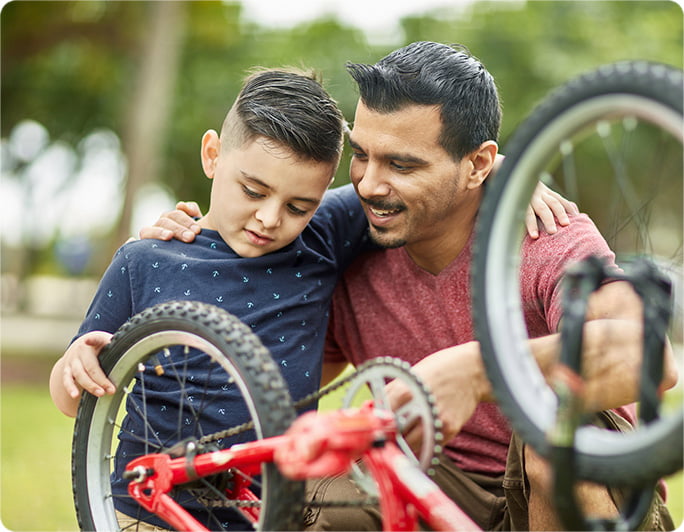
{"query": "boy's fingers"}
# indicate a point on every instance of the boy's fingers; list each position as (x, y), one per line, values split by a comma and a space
(531, 223)
(558, 208)
(69, 384)
(98, 339)
(90, 377)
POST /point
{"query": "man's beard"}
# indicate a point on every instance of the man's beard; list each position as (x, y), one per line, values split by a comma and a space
(377, 234)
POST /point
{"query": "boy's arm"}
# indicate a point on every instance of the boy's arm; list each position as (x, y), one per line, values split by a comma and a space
(547, 206)
(79, 369)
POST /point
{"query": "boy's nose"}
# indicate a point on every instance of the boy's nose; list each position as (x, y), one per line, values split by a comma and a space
(269, 216)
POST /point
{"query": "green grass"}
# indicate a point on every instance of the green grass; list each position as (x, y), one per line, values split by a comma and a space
(35, 478)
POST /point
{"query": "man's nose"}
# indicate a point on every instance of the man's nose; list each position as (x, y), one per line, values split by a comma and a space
(371, 181)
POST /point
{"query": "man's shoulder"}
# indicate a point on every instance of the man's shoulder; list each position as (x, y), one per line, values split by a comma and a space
(580, 224)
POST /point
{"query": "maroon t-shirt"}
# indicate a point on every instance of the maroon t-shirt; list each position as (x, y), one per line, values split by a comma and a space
(387, 306)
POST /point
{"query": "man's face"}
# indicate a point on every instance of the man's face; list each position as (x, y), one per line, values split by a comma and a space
(263, 196)
(410, 187)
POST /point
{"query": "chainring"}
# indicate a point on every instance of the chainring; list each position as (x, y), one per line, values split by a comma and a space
(373, 376)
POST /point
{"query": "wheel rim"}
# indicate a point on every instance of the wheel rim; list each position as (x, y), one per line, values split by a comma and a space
(99, 455)
(500, 282)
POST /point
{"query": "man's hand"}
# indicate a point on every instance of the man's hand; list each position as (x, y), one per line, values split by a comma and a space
(458, 382)
(545, 205)
(179, 224)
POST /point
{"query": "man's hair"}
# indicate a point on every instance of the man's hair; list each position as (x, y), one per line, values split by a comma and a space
(429, 73)
(289, 107)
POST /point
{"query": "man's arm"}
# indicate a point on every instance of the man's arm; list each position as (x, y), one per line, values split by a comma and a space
(546, 206)
(612, 353)
(179, 223)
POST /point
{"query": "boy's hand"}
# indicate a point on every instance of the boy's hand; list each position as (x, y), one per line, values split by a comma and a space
(81, 367)
(547, 204)
(178, 224)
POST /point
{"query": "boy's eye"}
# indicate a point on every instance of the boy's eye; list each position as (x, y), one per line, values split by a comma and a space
(251, 193)
(296, 210)
(358, 155)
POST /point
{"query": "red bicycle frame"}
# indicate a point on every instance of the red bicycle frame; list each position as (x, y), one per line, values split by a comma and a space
(316, 445)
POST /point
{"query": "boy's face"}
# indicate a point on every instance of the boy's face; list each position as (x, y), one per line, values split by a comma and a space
(263, 195)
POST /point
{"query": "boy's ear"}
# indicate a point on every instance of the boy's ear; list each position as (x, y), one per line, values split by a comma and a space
(483, 160)
(211, 148)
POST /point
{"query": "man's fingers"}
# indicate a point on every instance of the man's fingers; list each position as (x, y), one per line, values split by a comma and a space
(158, 233)
(174, 224)
(184, 220)
(189, 207)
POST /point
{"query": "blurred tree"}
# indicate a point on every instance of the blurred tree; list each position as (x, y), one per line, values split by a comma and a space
(145, 132)
(78, 66)
(533, 47)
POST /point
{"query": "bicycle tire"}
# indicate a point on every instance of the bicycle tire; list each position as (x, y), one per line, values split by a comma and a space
(643, 91)
(237, 350)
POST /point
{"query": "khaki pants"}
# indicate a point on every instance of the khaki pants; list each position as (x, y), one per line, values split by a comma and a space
(494, 503)
(130, 523)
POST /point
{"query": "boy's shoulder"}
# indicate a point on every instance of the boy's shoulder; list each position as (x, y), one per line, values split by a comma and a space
(205, 242)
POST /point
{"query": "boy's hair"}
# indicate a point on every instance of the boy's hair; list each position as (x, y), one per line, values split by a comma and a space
(289, 107)
(429, 73)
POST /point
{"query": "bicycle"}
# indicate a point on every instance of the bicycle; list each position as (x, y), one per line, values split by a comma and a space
(633, 112)
(248, 490)
(223, 483)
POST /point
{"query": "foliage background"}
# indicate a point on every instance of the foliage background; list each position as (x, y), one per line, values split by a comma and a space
(140, 82)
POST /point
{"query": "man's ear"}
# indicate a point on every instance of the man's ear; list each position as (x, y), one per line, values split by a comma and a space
(211, 148)
(482, 159)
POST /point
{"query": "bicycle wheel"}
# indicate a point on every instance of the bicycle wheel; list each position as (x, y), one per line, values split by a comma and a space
(150, 361)
(624, 121)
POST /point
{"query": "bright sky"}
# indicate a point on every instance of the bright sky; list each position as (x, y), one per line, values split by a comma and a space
(378, 17)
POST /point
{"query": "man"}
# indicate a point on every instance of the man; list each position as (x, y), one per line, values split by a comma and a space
(424, 142)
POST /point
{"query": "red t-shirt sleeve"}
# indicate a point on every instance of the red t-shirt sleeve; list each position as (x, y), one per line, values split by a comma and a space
(545, 260)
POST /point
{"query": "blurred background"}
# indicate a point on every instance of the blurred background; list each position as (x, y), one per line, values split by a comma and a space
(103, 106)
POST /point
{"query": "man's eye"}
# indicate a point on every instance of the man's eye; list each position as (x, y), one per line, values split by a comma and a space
(401, 167)
(251, 193)
(358, 155)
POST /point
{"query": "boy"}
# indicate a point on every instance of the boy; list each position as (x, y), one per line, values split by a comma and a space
(266, 254)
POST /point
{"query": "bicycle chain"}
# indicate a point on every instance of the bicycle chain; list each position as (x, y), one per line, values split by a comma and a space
(317, 395)
(304, 401)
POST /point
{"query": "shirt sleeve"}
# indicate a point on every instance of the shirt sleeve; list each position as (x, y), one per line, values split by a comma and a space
(545, 260)
(112, 304)
(342, 219)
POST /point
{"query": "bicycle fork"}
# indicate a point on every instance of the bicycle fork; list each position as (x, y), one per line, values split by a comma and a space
(655, 291)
